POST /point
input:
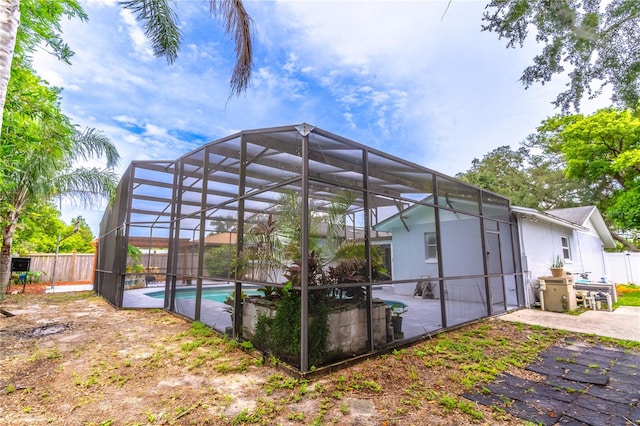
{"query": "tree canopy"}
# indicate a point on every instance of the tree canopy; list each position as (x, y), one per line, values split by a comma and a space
(528, 179)
(27, 24)
(39, 227)
(596, 42)
(602, 149)
(578, 160)
(41, 146)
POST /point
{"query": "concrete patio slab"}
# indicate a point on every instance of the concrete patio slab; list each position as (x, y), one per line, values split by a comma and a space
(623, 323)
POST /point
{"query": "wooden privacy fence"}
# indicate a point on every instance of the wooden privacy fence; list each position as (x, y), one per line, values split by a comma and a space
(69, 267)
(74, 267)
(621, 267)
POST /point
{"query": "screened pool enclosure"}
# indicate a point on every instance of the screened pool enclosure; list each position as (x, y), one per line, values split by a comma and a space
(313, 247)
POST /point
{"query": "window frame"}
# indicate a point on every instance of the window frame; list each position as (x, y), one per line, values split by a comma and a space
(430, 246)
(566, 248)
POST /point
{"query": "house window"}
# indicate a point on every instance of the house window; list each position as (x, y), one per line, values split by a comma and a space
(430, 247)
(566, 248)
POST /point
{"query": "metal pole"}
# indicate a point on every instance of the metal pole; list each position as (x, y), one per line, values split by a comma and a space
(76, 228)
(55, 262)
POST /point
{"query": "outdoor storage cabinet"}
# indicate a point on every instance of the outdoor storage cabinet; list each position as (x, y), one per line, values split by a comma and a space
(559, 294)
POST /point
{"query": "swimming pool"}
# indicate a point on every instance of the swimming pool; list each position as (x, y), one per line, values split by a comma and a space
(220, 294)
(216, 294)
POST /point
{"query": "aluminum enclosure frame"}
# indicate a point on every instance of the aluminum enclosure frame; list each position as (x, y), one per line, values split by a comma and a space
(230, 186)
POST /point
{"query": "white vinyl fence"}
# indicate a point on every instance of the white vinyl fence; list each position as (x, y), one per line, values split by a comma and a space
(623, 268)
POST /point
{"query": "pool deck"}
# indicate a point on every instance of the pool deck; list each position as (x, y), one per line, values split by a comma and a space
(622, 323)
(423, 316)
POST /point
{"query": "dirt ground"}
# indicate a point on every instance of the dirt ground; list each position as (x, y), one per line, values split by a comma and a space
(72, 359)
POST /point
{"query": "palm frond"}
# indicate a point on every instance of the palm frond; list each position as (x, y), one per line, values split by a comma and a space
(85, 186)
(237, 22)
(92, 143)
(160, 26)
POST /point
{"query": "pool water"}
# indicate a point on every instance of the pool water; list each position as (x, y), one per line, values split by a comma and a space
(220, 294)
(216, 294)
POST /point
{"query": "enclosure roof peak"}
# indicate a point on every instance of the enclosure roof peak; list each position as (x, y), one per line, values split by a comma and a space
(304, 129)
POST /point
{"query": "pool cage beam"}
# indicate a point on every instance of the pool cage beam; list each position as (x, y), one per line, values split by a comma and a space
(367, 247)
(304, 250)
(242, 179)
(203, 220)
(309, 179)
(436, 214)
(175, 223)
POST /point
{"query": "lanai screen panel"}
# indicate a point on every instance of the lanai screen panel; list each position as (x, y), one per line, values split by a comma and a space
(111, 245)
(141, 214)
(151, 191)
(215, 205)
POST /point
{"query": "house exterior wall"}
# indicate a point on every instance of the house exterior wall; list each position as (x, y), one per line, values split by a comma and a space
(409, 257)
(460, 254)
(541, 242)
(590, 256)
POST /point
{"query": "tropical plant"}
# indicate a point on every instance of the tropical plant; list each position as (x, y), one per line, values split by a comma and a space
(337, 222)
(135, 254)
(280, 334)
(42, 146)
(262, 256)
(289, 227)
(220, 261)
(351, 263)
(398, 309)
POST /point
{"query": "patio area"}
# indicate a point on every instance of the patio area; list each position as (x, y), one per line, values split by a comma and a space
(422, 316)
(623, 323)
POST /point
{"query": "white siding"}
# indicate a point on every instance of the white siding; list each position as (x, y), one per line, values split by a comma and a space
(541, 242)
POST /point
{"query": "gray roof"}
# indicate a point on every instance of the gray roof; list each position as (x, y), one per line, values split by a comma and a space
(578, 215)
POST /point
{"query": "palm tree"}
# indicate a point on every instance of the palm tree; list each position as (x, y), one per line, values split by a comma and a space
(40, 177)
(161, 28)
(40, 147)
(41, 26)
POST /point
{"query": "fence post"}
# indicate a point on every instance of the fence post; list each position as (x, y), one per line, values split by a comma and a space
(72, 268)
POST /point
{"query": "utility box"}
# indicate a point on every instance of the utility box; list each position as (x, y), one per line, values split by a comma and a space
(20, 264)
(559, 294)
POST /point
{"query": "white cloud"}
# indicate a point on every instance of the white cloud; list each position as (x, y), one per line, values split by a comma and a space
(140, 43)
(392, 75)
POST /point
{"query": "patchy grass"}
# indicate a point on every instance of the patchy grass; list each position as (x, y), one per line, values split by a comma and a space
(628, 295)
(151, 367)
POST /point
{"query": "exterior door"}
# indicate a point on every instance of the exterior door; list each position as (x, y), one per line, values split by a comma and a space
(494, 264)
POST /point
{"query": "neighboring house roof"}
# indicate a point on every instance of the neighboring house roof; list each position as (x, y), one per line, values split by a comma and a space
(574, 218)
(219, 239)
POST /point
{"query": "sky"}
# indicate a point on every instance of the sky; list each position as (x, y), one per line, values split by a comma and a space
(416, 79)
